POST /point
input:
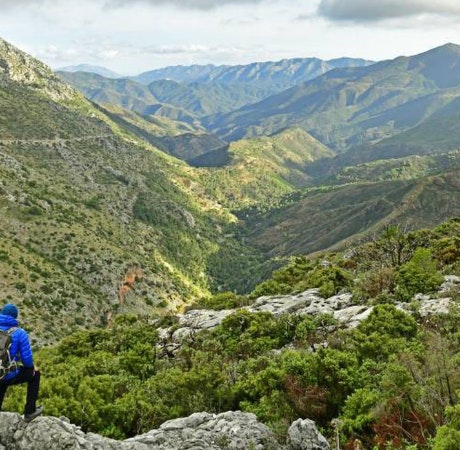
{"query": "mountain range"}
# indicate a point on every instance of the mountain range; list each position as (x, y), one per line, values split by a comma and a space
(273, 74)
(352, 106)
(392, 122)
(201, 90)
(143, 197)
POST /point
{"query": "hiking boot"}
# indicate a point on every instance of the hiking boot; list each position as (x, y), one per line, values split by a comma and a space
(38, 412)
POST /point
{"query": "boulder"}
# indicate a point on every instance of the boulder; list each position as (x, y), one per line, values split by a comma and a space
(233, 430)
(200, 431)
(303, 435)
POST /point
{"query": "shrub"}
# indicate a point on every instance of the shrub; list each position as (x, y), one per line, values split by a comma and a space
(419, 275)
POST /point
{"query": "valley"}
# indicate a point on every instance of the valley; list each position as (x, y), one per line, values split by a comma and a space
(313, 209)
(190, 212)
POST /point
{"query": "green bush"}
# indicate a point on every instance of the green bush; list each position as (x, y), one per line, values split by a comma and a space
(419, 275)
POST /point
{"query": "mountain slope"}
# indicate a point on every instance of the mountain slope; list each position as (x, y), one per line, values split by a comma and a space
(209, 98)
(175, 138)
(92, 223)
(261, 171)
(433, 140)
(328, 218)
(350, 106)
(122, 92)
(169, 128)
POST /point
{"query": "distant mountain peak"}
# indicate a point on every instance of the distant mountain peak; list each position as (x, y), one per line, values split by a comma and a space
(98, 70)
(17, 66)
(441, 65)
(445, 49)
(451, 46)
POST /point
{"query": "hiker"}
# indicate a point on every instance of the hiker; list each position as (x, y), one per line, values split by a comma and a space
(20, 351)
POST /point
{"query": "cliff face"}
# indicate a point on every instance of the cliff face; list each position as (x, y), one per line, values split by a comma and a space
(200, 431)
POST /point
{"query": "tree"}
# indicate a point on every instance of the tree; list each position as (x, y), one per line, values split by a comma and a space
(397, 246)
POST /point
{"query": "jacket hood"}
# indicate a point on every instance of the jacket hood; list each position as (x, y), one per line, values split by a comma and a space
(8, 321)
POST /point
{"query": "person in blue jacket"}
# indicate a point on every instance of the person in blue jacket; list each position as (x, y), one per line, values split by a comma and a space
(20, 351)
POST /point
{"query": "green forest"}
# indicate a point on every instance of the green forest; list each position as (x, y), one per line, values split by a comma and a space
(392, 382)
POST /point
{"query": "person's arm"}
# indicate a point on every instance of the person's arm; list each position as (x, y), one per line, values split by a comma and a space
(25, 350)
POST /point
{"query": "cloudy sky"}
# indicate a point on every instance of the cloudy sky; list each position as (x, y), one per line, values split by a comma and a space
(132, 36)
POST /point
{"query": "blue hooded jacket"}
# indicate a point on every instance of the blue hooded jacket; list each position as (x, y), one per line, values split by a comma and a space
(20, 345)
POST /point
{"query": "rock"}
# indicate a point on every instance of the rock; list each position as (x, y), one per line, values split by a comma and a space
(353, 315)
(303, 435)
(305, 303)
(282, 304)
(341, 307)
(435, 306)
(233, 430)
(44, 433)
(318, 305)
(230, 430)
(450, 282)
(203, 319)
(17, 66)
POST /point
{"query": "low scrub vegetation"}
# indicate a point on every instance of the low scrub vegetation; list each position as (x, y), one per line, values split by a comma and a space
(390, 383)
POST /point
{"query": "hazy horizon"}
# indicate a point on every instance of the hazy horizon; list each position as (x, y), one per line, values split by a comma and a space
(130, 37)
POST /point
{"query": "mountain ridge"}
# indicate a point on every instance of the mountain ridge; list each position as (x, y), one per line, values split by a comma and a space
(334, 107)
(90, 68)
(230, 73)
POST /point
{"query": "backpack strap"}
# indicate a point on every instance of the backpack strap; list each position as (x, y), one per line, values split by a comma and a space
(11, 330)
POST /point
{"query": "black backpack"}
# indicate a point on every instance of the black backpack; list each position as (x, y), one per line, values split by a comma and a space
(7, 364)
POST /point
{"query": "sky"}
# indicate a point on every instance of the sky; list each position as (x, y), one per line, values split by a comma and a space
(133, 36)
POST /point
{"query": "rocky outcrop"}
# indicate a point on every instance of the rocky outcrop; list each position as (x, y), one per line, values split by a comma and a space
(342, 307)
(22, 68)
(200, 431)
(307, 302)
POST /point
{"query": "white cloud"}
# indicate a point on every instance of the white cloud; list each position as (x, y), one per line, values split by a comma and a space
(89, 50)
(139, 35)
(6, 4)
(181, 4)
(369, 11)
(187, 4)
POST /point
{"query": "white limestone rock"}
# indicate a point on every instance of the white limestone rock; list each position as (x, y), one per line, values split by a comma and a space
(303, 435)
(233, 430)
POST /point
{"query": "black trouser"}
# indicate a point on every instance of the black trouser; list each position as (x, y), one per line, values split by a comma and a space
(25, 375)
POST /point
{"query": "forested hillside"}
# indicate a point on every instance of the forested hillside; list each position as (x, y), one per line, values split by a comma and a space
(261, 171)
(92, 222)
(341, 214)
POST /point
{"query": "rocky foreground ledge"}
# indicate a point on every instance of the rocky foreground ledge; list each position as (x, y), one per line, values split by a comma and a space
(200, 431)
